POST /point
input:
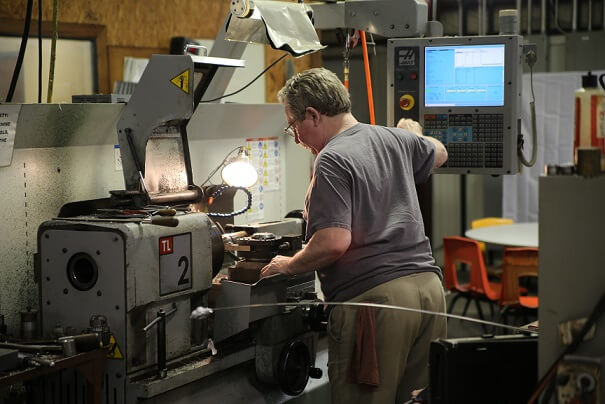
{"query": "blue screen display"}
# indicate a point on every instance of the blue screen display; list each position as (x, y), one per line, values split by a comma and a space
(464, 75)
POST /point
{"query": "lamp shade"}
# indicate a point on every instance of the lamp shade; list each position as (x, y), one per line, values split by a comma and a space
(239, 172)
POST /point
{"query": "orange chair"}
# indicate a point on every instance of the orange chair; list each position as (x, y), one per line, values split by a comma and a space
(486, 222)
(518, 263)
(462, 249)
(451, 275)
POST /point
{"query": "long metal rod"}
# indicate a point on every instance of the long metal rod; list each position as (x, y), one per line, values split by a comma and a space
(461, 18)
(589, 15)
(543, 17)
(574, 15)
(529, 7)
(186, 195)
(479, 18)
(434, 9)
(519, 7)
(205, 311)
(484, 16)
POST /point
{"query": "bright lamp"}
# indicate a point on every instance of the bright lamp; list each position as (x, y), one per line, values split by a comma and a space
(239, 172)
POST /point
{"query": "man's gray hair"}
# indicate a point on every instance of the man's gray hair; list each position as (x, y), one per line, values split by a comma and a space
(318, 88)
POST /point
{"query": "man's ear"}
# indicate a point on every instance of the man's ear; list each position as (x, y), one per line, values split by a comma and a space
(313, 114)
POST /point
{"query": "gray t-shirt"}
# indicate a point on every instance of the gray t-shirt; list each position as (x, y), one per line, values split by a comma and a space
(364, 180)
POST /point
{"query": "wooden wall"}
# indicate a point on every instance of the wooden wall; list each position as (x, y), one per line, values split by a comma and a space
(150, 24)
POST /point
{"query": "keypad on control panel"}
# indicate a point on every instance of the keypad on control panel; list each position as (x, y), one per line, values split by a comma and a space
(472, 140)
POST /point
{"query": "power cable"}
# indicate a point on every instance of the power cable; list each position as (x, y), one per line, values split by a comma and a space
(53, 51)
(39, 51)
(531, 59)
(250, 83)
(28, 20)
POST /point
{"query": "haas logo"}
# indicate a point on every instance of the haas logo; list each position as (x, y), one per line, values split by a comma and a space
(407, 57)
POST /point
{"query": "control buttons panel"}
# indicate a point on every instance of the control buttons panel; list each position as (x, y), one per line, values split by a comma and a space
(472, 140)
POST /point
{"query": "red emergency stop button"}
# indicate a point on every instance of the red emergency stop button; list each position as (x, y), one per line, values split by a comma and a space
(406, 102)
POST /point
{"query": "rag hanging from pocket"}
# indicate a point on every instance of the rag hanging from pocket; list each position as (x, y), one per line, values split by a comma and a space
(364, 362)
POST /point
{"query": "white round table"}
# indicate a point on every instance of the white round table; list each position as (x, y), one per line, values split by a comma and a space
(512, 235)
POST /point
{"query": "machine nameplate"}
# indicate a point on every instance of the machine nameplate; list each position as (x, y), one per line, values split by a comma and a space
(175, 263)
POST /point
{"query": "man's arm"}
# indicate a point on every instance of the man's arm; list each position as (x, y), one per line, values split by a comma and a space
(325, 247)
(414, 127)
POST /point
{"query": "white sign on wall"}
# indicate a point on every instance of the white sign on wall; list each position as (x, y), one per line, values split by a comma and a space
(9, 114)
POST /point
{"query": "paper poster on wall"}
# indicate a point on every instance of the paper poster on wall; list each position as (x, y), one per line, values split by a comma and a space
(264, 155)
(9, 114)
(256, 213)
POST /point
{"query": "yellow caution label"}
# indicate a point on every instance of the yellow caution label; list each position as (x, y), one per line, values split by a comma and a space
(114, 349)
(182, 81)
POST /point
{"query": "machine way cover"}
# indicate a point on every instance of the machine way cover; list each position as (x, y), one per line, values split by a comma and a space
(287, 25)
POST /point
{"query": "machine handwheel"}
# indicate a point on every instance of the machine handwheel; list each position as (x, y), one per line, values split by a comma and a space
(292, 371)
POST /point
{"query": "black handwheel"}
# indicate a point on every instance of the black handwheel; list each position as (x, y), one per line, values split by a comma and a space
(292, 371)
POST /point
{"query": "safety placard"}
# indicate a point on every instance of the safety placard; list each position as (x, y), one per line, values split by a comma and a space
(175, 263)
(182, 81)
(114, 349)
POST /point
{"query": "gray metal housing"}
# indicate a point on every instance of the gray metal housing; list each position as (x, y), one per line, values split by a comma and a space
(127, 290)
(572, 278)
(388, 18)
(511, 110)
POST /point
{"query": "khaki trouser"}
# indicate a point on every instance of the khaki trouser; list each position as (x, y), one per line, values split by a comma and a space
(402, 340)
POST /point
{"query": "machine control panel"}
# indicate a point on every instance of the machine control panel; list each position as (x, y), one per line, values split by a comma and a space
(465, 91)
(473, 140)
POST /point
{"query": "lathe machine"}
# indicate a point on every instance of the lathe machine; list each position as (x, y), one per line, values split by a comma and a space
(144, 258)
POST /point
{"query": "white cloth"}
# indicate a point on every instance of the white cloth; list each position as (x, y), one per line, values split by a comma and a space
(555, 121)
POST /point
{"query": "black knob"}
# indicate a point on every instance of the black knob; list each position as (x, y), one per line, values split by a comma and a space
(315, 373)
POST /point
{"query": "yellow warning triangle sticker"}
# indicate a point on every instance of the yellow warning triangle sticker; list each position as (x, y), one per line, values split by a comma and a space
(182, 81)
(114, 349)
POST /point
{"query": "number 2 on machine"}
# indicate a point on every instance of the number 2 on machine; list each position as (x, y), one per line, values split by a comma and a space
(175, 263)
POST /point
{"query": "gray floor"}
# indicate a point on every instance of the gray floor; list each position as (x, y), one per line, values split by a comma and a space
(461, 328)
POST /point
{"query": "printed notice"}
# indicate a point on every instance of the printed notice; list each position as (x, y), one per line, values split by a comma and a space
(9, 114)
(264, 155)
(256, 213)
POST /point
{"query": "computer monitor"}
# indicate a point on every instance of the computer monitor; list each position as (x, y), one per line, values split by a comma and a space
(464, 76)
(466, 92)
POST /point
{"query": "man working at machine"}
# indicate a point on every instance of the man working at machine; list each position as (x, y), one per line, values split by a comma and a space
(366, 240)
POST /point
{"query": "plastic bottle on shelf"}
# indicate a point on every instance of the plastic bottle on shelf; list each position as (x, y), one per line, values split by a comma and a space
(589, 113)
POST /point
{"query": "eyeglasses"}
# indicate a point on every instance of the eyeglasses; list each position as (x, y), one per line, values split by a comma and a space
(289, 130)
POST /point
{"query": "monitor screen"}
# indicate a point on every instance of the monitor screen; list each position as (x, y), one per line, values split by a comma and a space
(464, 76)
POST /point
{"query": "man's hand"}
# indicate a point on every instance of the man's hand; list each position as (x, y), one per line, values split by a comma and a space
(411, 125)
(323, 249)
(415, 127)
(278, 264)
